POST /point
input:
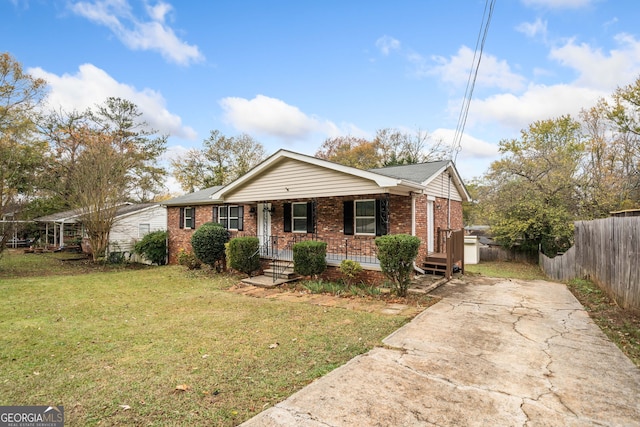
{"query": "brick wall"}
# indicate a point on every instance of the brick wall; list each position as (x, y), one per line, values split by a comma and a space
(330, 222)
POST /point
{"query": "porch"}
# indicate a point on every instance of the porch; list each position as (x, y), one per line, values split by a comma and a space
(277, 251)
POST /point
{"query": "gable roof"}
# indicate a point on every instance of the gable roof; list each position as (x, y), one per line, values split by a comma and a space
(425, 173)
(201, 197)
(297, 164)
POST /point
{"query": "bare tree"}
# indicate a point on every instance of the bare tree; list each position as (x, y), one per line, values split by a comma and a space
(98, 186)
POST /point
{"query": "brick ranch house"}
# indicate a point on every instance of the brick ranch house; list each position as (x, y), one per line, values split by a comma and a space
(291, 197)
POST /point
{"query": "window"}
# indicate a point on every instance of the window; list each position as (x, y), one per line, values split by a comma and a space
(187, 218)
(143, 229)
(231, 217)
(299, 217)
(365, 217)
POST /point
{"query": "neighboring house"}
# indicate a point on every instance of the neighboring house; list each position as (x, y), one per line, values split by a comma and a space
(133, 221)
(291, 197)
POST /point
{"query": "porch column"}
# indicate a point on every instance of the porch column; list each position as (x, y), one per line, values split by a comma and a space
(61, 234)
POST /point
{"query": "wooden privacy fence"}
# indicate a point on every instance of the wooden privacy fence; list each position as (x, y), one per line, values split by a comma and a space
(607, 251)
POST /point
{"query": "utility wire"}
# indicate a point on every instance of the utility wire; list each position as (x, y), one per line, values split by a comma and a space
(473, 75)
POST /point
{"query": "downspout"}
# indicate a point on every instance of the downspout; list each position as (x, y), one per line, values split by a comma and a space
(449, 201)
(413, 228)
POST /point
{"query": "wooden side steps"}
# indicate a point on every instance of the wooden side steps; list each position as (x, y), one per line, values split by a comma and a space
(435, 264)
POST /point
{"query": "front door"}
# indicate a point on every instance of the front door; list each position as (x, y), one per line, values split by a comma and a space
(264, 227)
(430, 226)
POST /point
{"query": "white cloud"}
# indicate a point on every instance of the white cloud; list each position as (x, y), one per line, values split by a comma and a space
(492, 72)
(539, 102)
(601, 70)
(271, 116)
(386, 44)
(139, 34)
(92, 85)
(471, 147)
(559, 4)
(532, 29)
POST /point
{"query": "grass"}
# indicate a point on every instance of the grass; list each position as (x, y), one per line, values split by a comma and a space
(161, 346)
(621, 326)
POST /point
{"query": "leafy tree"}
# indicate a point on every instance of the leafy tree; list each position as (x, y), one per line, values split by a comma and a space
(21, 153)
(120, 122)
(153, 247)
(191, 170)
(533, 198)
(396, 253)
(208, 243)
(390, 147)
(350, 151)
(99, 159)
(221, 160)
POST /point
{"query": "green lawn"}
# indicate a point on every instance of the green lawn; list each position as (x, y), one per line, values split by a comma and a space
(116, 346)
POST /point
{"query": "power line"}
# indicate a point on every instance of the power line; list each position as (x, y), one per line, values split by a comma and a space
(473, 75)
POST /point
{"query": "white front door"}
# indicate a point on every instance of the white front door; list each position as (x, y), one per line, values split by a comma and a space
(264, 227)
(430, 225)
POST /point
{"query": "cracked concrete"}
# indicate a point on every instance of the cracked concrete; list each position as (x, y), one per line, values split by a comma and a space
(492, 352)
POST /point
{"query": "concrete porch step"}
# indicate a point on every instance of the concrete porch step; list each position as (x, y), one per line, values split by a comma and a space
(264, 281)
(286, 274)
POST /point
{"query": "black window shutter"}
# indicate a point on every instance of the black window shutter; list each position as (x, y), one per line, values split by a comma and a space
(214, 214)
(193, 217)
(348, 217)
(311, 221)
(287, 217)
(240, 218)
(181, 217)
(381, 224)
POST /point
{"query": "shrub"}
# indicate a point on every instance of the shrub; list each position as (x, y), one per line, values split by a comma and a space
(242, 254)
(350, 270)
(189, 260)
(208, 244)
(309, 257)
(153, 247)
(396, 253)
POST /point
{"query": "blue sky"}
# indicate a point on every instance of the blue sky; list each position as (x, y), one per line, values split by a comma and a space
(293, 73)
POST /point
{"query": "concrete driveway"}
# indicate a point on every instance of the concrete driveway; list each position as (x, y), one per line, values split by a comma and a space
(493, 352)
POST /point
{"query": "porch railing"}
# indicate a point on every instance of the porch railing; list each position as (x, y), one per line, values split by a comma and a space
(338, 249)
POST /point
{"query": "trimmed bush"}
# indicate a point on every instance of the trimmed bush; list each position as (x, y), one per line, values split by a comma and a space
(309, 257)
(396, 253)
(242, 254)
(189, 260)
(208, 244)
(350, 270)
(153, 247)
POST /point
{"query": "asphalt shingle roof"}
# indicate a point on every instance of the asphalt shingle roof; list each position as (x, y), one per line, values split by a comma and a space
(419, 172)
(122, 210)
(197, 197)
